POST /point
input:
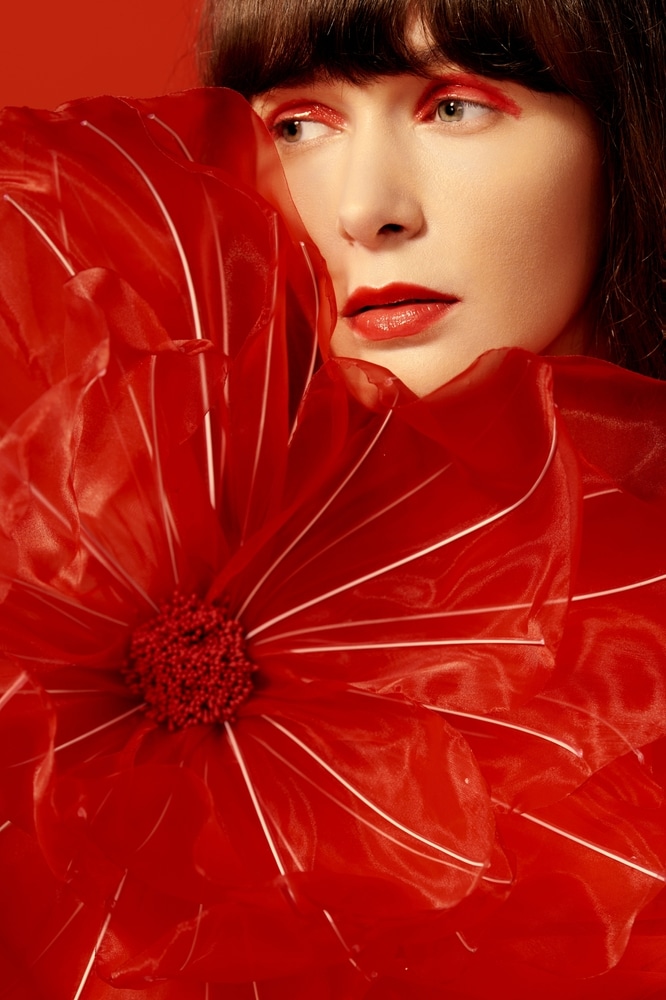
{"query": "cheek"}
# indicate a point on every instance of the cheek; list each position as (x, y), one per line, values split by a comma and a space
(537, 224)
(311, 185)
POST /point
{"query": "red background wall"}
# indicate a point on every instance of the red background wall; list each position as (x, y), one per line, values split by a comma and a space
(55, 50)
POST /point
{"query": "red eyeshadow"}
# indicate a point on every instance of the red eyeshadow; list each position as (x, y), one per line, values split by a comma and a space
(482, 86)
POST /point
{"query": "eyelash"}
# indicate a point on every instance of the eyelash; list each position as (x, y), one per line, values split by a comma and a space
(429, 110)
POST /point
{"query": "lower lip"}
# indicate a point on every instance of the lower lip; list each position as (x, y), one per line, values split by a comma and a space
(392, 322)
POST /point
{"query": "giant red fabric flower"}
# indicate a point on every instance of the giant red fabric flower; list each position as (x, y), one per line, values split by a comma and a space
(310, 688)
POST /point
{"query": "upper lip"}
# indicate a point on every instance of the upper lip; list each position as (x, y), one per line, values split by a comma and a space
(398, 293)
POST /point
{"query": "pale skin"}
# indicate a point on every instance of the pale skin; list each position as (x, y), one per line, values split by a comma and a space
(486, 195)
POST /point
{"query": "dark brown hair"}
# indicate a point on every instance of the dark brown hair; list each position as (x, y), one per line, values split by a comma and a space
(610, 54)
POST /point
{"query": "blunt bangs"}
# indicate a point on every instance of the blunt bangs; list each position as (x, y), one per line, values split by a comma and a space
(253, 46)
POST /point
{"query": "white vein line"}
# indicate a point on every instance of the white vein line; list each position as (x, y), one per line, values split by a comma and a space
(577, 752)
(315, 328)
(660, 877)
(168, 513)
(135, 405)
(315, 325)
(224, 298)
(142, 426)
(61, 215)
(101, 805)
(156, 826)
(476, 734)
(160, 478)
(46, 503)
(18, 655)
(338, 934)
(196, 316)
(142, 423)
(96, 549)
(224, 310)
(91, 960)
(416, 555)
(5, 825)
(91, 732)
(102, 933)
(287, 846)
(368, 802)
(357, 816)
(601, 493)
(597, 718)
(368, 520)
(216, 234)
(497, 881)
(280, 833)
(267, 378)
(208, 432)
(464, 943)
(194, 939)
(146, 438)
(47, 239)
(91, 545)
(61, 931)
(53, 595)
(417, 644)
(255, 989)
(299, 866)
(20, 682)
(43, 599)
(310, 524)
(296, 862)
(98, 729)
(619, 590)
(394, 620)
(255, 801)
(215, 228)
(167, 128)
(167, 218)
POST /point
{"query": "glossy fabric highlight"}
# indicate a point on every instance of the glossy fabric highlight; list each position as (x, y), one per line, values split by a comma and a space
(450, 775)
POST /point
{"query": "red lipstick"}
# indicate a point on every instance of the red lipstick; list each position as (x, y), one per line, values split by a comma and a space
(396, 310)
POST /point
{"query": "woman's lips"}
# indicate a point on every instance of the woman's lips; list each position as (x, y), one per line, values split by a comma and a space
(404, 319)
(397, 310)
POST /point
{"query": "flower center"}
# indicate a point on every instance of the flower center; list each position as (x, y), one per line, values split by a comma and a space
(189, 664)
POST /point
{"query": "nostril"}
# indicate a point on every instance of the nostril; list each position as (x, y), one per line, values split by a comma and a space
(392, 227)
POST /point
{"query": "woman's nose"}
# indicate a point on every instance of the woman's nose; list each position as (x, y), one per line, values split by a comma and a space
(379, 201)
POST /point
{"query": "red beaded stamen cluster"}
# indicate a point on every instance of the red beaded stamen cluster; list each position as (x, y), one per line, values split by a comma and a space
(189, 664)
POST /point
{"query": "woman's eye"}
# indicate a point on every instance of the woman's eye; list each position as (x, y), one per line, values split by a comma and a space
(458, 110)
(297, 130)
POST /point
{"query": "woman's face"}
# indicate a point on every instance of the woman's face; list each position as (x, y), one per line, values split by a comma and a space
(455, 214)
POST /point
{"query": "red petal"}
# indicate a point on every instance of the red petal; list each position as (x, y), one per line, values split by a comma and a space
(28, 728)
(435, 615)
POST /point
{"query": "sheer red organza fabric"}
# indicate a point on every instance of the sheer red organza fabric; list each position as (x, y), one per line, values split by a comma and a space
(309, 688)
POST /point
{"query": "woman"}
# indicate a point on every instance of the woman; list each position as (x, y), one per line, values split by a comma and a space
(476, 175)
(544, 178)
(317, 686)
